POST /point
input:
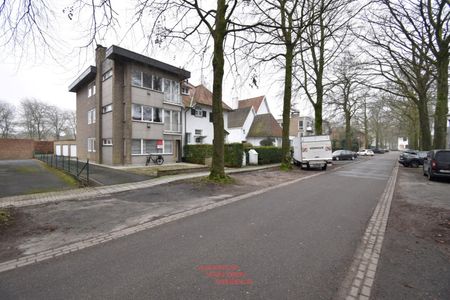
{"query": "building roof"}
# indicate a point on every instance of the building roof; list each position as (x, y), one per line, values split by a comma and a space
(202, 96)
(236, 118)
(115, 52)
(87, 76)
(255, 102)
(265, 126)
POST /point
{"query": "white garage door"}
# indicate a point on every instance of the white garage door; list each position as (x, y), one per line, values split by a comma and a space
(65, 149)
(73, 150)
(58, 150)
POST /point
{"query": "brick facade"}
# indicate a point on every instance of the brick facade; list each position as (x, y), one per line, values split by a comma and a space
(16, 149)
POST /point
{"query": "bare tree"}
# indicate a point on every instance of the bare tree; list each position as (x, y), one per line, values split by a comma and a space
(402, 65)
(34, 118)
(57, 121)
(324, 40)
(71, 128)
(349, 90)
(282, 34)
(420, 21)
(7, 114)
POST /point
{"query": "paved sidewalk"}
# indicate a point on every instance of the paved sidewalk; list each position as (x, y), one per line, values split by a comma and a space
(85, 193)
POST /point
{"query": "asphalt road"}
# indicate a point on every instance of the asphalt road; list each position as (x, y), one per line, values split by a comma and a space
(294, 242)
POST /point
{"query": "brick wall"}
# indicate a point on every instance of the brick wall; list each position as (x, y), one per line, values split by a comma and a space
(43, 147)
(16, 149)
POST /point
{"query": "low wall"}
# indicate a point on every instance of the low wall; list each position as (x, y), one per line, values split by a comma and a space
(23, 148)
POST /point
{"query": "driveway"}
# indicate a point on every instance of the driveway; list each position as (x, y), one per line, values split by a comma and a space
(18, 177)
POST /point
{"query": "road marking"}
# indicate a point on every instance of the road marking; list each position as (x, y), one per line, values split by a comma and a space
(362, 175)
(359, 280)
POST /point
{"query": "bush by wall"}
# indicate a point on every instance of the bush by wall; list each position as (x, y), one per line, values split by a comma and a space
(233, 155)
(268, 155)
(196, 154)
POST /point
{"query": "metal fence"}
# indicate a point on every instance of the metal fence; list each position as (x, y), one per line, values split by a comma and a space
(69, 164)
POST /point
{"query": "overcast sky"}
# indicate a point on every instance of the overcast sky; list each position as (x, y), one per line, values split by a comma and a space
(25, 73)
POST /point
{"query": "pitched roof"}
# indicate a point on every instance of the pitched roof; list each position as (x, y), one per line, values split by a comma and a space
(236, 118)
(255, 102)
(265, 126)
(201, 95)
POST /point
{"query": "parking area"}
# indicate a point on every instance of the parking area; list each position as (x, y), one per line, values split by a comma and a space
(18, 177)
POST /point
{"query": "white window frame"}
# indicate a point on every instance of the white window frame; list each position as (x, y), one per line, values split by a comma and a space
(91, 116)
(107, 108)
(198, 132)
(198, 112)
(91, 144)
(153, 114)
(155, 153)
(170, 121)
(186, 88)
(91, 89)
(108, 74)
(107, 142)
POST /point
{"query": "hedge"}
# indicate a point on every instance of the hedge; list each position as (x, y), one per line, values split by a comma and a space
(197, 154)
(267, 154)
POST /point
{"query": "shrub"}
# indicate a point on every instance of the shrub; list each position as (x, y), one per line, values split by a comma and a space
(268, 155)
(267, 142)
(196, 154)
(233, 155)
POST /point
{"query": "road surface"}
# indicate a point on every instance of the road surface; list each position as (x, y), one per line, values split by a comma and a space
(296, 242)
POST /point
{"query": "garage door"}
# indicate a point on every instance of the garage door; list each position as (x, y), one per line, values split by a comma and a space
(73, 150)
(58, 150)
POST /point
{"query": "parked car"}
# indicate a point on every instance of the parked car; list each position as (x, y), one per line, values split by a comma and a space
(365, 152)
(343, 155)
(378, 150)
(412, 158)
(437, 164)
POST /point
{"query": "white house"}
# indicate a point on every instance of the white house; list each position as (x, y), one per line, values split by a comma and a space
(239, 122)
(259, 104)
(198, 126)
(402, 143)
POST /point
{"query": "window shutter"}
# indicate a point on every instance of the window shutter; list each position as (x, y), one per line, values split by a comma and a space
(204, 113)
(193, 111)
(211, 117)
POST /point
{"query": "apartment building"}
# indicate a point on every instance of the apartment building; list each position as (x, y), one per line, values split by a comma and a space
(128, 106)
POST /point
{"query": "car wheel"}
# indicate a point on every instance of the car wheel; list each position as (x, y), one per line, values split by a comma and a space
(353, 158)
(414, 164)
(337, 157)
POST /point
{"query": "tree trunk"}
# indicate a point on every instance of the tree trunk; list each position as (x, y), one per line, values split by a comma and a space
(285, 146)
(318, 112)
(217, 167)
(348, 131)
(425, 133)
(366, 126)
(440, 115)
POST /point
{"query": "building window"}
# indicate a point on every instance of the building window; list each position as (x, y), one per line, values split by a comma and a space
(91, 144)
(107, 142)
(136, 78)
(107, 74)
(91, 89)
(157, 83)
(172, 91)
(172, 121)
(146, 147)
(198, 132)
(198, 112)
(91, 116)
(107, 108)
(188, 137)
(184, 89)
(146, 113)
(147, 80)
(300, 124)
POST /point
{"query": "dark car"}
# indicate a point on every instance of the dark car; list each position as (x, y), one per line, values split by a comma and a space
(412, 158)
(378, 151)
(344, 154)
(437, 164)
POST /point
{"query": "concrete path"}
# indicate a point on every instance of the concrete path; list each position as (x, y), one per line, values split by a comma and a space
(18, 177)
(80, 194)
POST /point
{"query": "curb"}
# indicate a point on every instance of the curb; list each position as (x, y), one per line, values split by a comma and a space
(360, 278)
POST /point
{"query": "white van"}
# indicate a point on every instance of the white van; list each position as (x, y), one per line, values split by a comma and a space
(312, 151)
